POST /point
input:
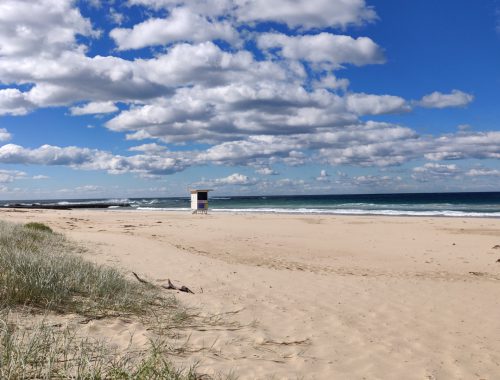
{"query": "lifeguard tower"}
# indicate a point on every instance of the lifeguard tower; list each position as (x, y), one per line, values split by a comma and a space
(199, 201)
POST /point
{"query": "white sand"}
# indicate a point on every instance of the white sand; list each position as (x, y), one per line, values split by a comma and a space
(316, 297)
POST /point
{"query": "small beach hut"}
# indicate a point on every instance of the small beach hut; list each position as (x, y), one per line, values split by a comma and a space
(199, 201)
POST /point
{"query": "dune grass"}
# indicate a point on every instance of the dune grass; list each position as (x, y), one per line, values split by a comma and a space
(41, 272)
(48, 352)
(39, 268)
(38, 226)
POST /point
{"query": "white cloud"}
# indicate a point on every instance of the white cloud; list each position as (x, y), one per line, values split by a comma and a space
(433, 171)
(294, 13)
(40, 176)
(252, 110)
(7, 176)
(116, 17)
(464, 127)
(324, 48)
(483, 172)
(234, 111)
(439, 100)
(14, 102)
(235, 179)
(368, 144)
(82, 190)
(366, 104)
(45, 27)
(480, 145)
(331, 82)
(323, 176)
(375, 181)
(4, 135)
(266, 171)
(94, 108)
(306, 13)
(149, 148)
(181, 25)
(241, 152)
(92, 159)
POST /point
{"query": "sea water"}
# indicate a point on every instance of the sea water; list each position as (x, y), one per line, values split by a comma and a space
(418, 204)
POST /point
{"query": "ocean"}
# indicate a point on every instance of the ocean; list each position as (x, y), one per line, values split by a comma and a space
(418, 204)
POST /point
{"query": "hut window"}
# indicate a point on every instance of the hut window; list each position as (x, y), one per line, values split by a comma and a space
(203, 196)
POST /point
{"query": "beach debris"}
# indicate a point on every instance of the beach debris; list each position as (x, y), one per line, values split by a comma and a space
(183, 288)
(498, 261)
(477, 273)
(169, 285)
(496, 246)
(286, 343)
(140, 279)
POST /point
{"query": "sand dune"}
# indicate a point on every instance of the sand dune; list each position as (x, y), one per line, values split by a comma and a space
(314, 297)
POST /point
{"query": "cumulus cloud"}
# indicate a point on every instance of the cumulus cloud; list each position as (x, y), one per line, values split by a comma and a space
(366, 104)
(181, 25)
(233, 111)
(92, 159)
(480, 145)
(375, 181)
(256, 110)
(368, 144)
(149, 148)
(7, 176)
(235, 179)
(433, 171)
(307, 13)
(483, 172)
(294, 13)
(266, 171)
(439, 100)
(94, 108)
(14, 102)
(46, 27)
(4, 135)
(330, 81)
(323, 176)
(324, 48)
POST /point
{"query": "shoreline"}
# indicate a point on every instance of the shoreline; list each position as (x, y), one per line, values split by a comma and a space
(310, 213)
(312, 296)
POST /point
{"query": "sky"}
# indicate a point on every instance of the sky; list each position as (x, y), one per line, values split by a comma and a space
(148, 98)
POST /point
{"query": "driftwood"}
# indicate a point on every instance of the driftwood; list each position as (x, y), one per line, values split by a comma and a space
(140, 279)
(183, 288)
(168, 286)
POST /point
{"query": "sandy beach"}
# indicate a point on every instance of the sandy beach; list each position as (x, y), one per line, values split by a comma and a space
(311, 297)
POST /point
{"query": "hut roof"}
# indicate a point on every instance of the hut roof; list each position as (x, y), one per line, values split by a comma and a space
(200, 190)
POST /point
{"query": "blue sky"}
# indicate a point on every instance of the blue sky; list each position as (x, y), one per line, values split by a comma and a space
(140, 98)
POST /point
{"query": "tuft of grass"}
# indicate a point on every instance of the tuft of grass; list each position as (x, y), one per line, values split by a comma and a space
(48, 352)
(43, 272)
(41, 269)
(38, 227)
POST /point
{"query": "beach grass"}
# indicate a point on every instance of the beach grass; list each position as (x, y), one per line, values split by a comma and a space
(41, 273)
(38, 226)
(39, 268)
(44, 351)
